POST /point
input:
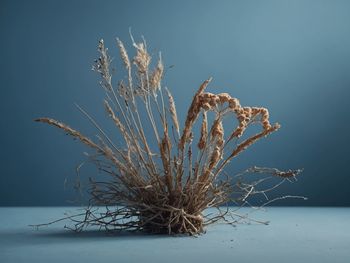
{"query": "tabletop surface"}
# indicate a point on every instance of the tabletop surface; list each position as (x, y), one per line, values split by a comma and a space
(295, 234)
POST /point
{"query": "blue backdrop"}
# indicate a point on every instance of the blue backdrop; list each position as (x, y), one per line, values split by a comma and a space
(291, 56)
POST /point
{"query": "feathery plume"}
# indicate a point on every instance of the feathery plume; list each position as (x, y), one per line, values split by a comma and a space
(156, 76)
(173, 113)
(142, 58)
(123, 54)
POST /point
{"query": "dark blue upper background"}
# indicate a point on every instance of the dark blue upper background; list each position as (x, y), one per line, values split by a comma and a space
(291, 56)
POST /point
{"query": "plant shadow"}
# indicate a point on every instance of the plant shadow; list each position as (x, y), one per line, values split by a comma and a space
(65, 236)
(96, 234)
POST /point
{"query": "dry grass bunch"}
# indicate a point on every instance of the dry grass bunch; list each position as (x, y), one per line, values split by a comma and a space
(165, 188)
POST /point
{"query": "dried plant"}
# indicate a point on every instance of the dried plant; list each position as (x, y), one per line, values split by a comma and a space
(165, 188)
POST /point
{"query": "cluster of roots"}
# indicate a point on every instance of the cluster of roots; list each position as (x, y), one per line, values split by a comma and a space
(175, 222)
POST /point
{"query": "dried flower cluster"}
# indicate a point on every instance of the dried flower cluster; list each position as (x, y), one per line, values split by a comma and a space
(165, 188)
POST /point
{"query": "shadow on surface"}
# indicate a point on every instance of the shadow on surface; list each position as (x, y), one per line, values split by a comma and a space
(47, 236)
(67, 234)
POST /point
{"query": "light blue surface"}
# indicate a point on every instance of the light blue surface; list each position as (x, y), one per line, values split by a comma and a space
(294, 235)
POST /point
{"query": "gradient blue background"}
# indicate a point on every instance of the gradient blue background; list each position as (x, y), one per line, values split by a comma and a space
(291, 56)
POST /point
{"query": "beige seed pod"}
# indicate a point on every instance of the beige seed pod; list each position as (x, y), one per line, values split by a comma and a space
(142, 58)
(224, 97)
(156, 77)
(123, 54)
(207, 95)
(215, 157)
(204, 132)
(217, 132)
(234, 103)
(206, 106)
(173, 113)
